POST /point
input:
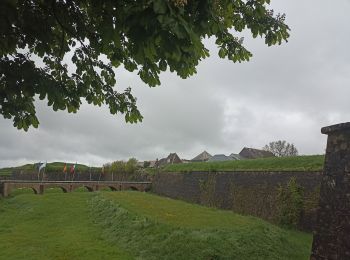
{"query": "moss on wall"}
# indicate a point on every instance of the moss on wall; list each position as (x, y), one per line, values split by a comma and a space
(207, 190)
(261, 194)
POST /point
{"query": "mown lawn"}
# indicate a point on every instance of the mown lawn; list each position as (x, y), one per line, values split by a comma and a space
(52, 226)
(129, 225)
(297, 163)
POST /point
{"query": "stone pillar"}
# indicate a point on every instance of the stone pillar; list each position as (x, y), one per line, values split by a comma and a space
(6, 189)
(2, 189)
(332, 233)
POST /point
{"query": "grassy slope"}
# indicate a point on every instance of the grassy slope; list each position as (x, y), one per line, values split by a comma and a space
(60, 226)
(54, 166)
(298, 163)
(52, 226)
(187, 231)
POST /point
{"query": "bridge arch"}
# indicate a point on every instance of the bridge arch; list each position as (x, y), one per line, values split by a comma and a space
(89, 188)
(35, 189)
(113, 188)
(31, 188)
(64, 189)
(66, 186)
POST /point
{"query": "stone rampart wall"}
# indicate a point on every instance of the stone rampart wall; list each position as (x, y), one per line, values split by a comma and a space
(249, 193)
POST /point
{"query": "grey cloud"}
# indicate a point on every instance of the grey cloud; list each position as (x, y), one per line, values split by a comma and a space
(284, 92)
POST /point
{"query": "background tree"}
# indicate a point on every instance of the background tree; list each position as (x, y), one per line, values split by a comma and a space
(107, 168)
(118, 167)
(39, 38)
(131, 165)
(281, 148)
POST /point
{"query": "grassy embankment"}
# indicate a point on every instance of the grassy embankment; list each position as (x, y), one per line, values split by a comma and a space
(51, 167)
(297, 163)
(60, 226)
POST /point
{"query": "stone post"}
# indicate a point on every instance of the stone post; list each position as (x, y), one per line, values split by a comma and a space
(332, 233)
(2, 189)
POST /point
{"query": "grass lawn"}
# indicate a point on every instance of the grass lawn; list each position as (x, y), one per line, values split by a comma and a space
(129, 225)
(52, 226)
(6, 171)
(297, 163)
(50, 167)
(170, 229)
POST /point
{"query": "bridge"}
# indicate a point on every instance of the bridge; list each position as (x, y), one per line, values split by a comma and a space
(38, 187)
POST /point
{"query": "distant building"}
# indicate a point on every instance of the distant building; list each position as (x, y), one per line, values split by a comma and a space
(171, 159)
(236, 156)
(152, 164)
(185, 161)
(220, 157)
(202, 157)
(251, 153)
(140, 164)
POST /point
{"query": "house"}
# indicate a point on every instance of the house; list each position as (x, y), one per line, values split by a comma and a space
(251, 153)
(220, 157)
(171, 159)
(140, 164)
(185, 161)
(152, 164)
(202, 157)
(236, 156)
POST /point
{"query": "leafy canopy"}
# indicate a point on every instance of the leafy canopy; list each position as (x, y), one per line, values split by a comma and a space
(37, 37)
(281, 148)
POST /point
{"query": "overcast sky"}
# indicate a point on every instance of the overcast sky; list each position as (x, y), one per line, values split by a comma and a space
(285, 92)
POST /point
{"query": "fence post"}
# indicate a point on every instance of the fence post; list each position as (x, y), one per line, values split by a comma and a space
(332, 232)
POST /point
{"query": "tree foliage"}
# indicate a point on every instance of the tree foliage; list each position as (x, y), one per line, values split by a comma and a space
(131, 166)
(118, 167)
(281, 148)
(38, 38)
(121, 167)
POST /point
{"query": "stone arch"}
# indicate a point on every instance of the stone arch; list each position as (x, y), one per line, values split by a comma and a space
(82, 188)
(64, 189)
(113, 188)
(89, 188)
(35, 190)
(133, 188)
(11, 188)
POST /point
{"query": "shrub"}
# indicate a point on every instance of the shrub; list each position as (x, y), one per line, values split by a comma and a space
(291, 202)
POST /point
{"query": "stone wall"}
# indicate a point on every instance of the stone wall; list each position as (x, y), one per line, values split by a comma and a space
(332, 233)
(250, 193)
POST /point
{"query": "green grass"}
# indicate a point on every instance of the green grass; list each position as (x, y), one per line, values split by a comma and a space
(52, 226)
(297, 163)
(8, 170)
(162, 228)
(51, 167)
(128, 225)
(5, 171)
